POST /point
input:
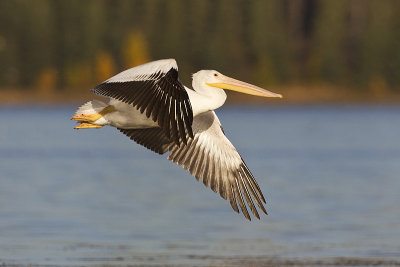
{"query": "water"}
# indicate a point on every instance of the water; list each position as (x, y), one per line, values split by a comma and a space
(89, 197)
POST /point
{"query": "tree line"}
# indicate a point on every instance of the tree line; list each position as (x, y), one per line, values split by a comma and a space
(63, 45)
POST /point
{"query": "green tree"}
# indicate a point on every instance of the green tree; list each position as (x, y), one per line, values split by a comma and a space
(9, 43)
(380, 44)
(269, 41)
(327, 56)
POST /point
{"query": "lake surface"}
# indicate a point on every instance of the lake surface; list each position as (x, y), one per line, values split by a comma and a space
(331, 177)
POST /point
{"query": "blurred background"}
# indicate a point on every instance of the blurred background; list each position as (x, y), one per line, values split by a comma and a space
(328, 163)
(311, 50)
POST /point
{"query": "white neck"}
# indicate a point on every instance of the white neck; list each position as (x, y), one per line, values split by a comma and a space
(205, 98)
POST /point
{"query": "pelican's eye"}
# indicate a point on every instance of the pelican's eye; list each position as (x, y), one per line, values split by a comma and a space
(215, 74)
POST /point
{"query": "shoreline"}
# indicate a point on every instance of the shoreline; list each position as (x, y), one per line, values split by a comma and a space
(224, 261)
(292, 95)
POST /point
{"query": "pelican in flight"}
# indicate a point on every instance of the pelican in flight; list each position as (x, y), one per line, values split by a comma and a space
(152, 107)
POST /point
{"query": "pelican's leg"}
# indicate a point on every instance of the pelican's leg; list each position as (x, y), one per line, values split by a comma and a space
(85, 125)
(87, 117)
(95, 116)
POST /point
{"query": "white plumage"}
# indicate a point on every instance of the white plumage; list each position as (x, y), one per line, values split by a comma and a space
(150, 105)
(143, 72)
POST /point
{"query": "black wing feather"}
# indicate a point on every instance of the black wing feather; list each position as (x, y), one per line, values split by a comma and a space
(153, 95)
(151, 138)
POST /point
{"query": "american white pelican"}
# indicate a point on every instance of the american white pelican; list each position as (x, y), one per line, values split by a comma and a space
(150, 105)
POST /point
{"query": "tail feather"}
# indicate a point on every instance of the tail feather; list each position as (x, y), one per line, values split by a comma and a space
(89, 115)
(91, 107)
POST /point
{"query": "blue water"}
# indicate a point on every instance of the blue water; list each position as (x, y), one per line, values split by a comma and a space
(331, 177)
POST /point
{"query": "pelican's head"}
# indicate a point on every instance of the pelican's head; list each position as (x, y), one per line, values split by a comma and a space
(215, 79)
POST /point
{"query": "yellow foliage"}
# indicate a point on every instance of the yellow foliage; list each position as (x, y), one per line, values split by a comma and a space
(104, 66)
(46, 81)
(79, 75)
(135, 49)
(378, 85)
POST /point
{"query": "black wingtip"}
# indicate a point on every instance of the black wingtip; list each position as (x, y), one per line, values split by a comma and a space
(190, 132)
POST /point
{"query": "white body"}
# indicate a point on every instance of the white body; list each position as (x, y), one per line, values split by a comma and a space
(204, 98)
(127, 116)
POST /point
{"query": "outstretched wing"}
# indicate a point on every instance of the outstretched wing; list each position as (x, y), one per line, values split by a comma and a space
(154, 89)
(210, 157)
